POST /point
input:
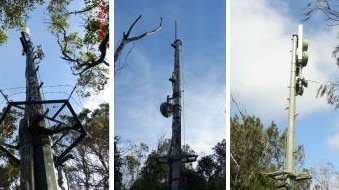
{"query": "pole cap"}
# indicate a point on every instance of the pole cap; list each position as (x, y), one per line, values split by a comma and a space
(26, 30)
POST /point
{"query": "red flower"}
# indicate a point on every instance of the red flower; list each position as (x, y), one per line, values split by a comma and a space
(101, 20)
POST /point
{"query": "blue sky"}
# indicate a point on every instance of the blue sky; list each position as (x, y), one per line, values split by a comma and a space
(143, 84)
(261, 33)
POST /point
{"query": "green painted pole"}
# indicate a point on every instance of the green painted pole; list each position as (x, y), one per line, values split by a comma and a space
(299, 60)
(289, 163)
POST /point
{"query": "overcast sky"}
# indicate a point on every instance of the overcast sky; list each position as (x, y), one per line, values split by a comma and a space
(261, 33)
(143, 84)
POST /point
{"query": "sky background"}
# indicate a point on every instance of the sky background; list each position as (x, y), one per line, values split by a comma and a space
(143, 84)
(260, 61)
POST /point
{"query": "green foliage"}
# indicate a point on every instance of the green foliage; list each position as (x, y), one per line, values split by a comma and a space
(9, 170)
(86, 50)
(95, 79)
(118, 162)
(212, 168)
(9, 174)
(133, 160)
(127, 163)
(3, 37)
(192, 180)
(248, 143)
(9, 124)
(14, 15)
(209, 174)
(153, 175)
(90, 168)
(256, 150)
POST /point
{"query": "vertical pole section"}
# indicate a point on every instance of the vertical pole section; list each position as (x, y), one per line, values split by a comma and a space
(39, 152)
(289, 163)
(26, 162)
(176, 123)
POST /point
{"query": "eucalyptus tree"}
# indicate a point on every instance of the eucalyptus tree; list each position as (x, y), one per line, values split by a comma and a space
(257, 150)
(89, 168)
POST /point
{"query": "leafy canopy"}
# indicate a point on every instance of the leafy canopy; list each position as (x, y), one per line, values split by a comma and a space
(256, 150)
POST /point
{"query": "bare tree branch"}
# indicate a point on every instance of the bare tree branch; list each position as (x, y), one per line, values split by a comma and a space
(326, 8)
(329, 10)
(241, 111)
(119, 65)
(83, 10)
(89, 64)
(236, 163)
(127, 39)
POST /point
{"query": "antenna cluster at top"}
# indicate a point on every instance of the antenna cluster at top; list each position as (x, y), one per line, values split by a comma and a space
(24, 39)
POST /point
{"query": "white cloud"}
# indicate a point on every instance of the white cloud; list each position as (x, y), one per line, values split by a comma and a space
(105, 95)
(332, 139)
(205, 115)
(333, 142)
(94, 100)
(261, 59)
(137, 101)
